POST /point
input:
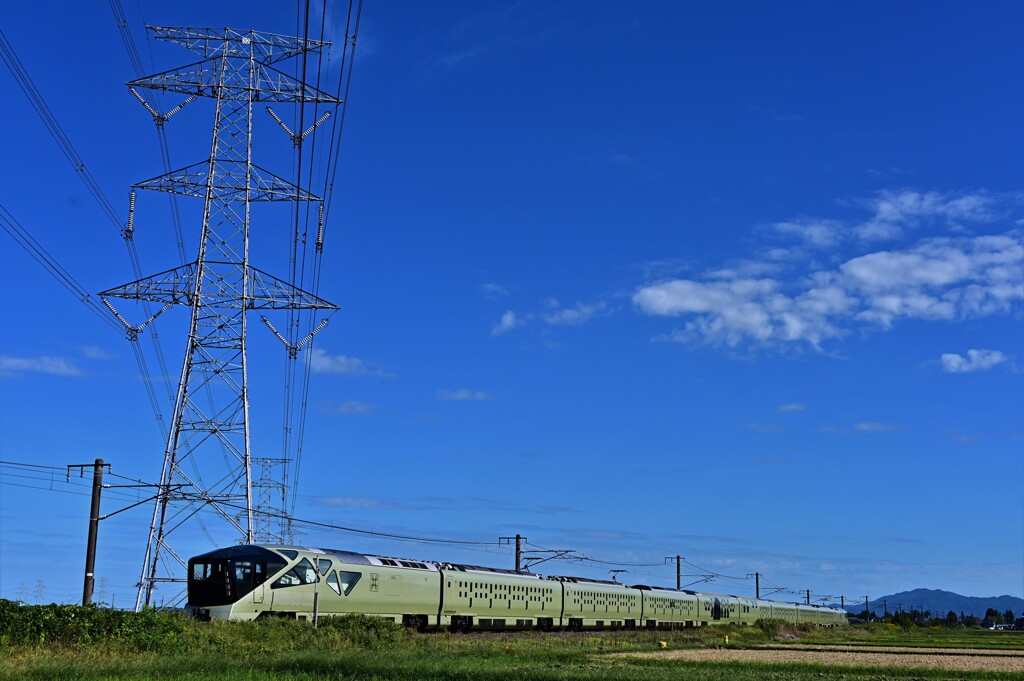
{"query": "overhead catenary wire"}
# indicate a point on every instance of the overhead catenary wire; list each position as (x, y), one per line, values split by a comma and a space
(489, 547)
(333, 152)
(24, 238)
(133, 55)
(49, 120)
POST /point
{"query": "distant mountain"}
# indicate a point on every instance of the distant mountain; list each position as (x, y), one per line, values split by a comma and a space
(940, 603)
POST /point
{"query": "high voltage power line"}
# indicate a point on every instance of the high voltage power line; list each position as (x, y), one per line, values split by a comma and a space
(25, 473)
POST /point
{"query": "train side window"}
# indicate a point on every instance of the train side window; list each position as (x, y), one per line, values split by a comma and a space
(348, 581)
(332, 581)
(302, 573)
(325, 565)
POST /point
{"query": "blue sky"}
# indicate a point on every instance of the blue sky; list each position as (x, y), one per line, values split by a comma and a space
(727, 280)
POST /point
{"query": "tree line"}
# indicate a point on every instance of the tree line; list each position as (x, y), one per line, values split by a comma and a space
(925, 618)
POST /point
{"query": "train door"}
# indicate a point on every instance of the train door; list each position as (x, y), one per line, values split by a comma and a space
(716, 610)
(259, 577)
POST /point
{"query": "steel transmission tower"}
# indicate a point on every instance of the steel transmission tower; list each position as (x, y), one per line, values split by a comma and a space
(208, 464)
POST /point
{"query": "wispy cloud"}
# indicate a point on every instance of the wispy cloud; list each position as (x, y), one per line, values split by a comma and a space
(356, 408)
(322, 362)
(493, 291)
(777, 116)
(814, 232)
(463, 395)
(889, 172)
(976, 360)
(625, 160)
(873, 427)
(897, 211)
(430, 503)
(362, 503)
(96, 352)
(790, 407)
(451, 59)
(490, 32)
(936, 278)
(572, 316)
(861, 427)
(509, 320)
(55, 366)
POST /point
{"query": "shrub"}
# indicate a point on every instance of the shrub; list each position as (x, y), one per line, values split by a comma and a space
(769, 627)
(363, 631)
(70, 625)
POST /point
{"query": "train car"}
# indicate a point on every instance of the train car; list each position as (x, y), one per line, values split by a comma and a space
(823, 616)
(253, 581)
(668, 608)
(598, 604)
(492, 598)
(246, 582)
(749, 610)
(778, 610)
(718, 608)
(800, 613)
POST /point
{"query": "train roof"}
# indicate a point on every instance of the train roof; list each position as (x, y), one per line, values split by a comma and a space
(350, 557)
(586, 580)
(459, 567)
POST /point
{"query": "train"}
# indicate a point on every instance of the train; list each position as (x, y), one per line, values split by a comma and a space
(255, 581)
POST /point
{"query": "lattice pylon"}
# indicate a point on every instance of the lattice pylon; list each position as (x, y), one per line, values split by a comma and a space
(208, 460)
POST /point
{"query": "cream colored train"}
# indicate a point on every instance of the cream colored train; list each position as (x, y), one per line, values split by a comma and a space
(254, 581)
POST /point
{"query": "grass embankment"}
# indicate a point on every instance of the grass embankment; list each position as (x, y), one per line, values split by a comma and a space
(70, 642)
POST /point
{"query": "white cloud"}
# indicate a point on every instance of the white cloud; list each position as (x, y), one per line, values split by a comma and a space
(56, 366)
(936, 279)
(573, 316)
(462, 395)
(96, 352)
(976, 360)
(358, 502)
(790, 407)
(509, 321)
(895, 212)
(731, 312)
(939, 278)
(816, 233)
(356, 408)
(873, 427)
(322, 362)
(493, 291)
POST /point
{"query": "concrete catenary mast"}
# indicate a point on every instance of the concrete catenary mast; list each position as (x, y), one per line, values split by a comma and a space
(208, 463)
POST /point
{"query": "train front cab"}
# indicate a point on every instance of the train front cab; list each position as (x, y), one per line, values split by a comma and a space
(229, 583)
(249, 582)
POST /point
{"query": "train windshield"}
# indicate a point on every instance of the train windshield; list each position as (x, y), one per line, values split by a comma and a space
(224, 576)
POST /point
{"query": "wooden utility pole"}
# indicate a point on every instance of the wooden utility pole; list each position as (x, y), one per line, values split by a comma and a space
(808, 597)
(94, 527)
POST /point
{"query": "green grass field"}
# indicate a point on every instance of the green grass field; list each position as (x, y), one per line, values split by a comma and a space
(66, 642)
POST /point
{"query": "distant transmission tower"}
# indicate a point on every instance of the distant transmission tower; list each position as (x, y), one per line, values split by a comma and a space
(207, 462)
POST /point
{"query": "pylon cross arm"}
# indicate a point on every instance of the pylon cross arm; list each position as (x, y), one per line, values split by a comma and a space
(178, 286)
(269, 47)
(228, 183)
(204, 79)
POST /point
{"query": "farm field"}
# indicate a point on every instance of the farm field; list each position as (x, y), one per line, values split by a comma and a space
(65, 642)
